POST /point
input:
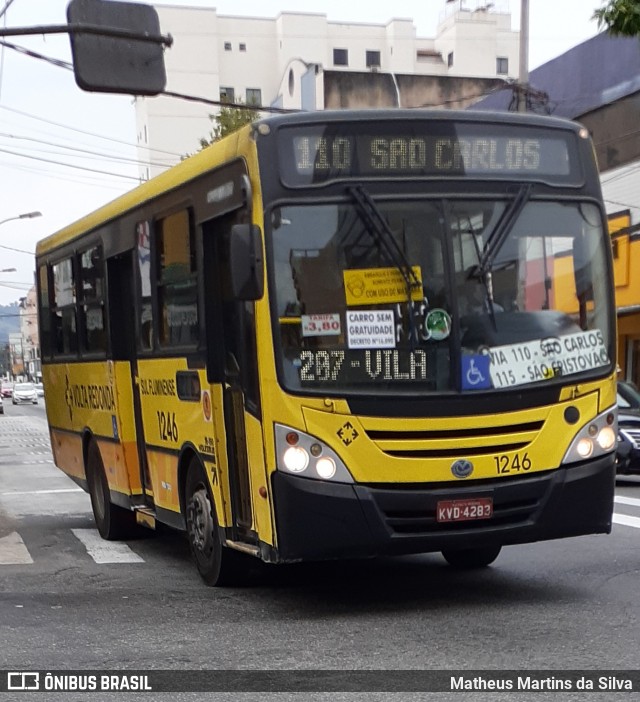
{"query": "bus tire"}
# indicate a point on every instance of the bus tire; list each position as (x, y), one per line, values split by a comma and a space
(469, 558)
(113, 522)
(217, 564)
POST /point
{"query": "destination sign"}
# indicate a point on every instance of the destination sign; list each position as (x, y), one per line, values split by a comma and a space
(314, 155)
(358, 366)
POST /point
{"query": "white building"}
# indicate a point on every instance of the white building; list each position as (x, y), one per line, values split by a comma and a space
(282, 62)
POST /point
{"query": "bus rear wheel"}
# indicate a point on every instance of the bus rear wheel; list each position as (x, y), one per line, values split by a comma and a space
(469, 558)
(113, 522)
(217, 564)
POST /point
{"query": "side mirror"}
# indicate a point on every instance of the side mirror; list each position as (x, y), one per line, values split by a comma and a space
(246, 262)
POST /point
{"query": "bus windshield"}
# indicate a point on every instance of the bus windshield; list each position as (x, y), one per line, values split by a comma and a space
(444, 295)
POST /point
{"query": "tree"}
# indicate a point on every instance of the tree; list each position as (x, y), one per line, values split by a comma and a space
(620, 17)
(228, 120)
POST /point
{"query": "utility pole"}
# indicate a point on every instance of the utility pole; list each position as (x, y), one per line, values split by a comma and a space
(523, 78)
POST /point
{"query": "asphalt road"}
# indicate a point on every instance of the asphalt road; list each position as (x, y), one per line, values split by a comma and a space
(67, 604)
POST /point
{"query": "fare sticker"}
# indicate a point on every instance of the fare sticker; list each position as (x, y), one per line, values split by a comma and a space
(371, 329)
(320, 324)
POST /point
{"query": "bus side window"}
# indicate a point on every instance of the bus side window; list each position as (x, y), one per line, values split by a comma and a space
(64, 318)
(143, 238)
(92, 291)
(177, 288)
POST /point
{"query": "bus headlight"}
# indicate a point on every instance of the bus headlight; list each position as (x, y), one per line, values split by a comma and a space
(584, 448)
(305, 455)
(326, 467)
(295, 459)
(595, 438)
(607, 438)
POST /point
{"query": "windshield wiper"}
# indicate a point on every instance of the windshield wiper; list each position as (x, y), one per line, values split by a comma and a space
(483, 271)
(383, 236)
(501, 231)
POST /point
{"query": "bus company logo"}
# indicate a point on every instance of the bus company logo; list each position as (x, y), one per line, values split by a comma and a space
(462, 468)
(23, 681)
(347, 433)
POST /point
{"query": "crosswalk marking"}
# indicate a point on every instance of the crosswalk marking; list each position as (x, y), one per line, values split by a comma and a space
(40, 492)
(105, 551)
(13, 551)
(622, 500)
(626, 520)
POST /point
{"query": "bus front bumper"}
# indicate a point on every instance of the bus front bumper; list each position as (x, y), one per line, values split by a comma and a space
(318, 520)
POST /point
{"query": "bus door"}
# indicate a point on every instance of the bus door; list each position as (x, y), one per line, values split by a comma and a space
(231, 362)
(121, 291)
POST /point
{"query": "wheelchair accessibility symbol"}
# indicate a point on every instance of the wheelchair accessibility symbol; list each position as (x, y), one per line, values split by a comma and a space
(475, 372)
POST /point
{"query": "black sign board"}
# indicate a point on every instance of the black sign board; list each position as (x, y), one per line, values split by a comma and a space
(120, 50)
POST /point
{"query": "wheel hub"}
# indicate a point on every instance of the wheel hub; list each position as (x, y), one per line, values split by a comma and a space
(200, 521)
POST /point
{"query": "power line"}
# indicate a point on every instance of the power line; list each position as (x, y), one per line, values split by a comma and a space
(7, 4)
(36, 55)
(10, 248)
(82, 180)
(69, 165)
(621, 204)
(109, 157)
(86, 133)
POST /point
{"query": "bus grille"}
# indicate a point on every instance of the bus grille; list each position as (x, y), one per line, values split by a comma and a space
(448, 443)
(409, 510)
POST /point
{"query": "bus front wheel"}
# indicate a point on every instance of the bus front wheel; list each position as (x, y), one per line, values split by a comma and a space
(217, 564)
(471, 557)
(113, 522)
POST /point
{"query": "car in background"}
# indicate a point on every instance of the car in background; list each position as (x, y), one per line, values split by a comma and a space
(628, 451)
(24, 393)
(7, 389)
(1, 406)
(39, 389)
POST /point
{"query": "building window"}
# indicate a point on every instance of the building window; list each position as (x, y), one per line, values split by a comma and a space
(227, 46)
(254, 96)
(340, 57)
(502, 66)
(450, 59)
(227, 94)
(373, 59)
(242, 47)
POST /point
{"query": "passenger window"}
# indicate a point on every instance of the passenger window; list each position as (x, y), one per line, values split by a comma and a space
(94, 337)
(45, 311)
(177, 281)
(64, 313)
(145, 324)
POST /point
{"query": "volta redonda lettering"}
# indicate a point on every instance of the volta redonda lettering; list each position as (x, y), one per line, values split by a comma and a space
(96, 397)
(315, 154)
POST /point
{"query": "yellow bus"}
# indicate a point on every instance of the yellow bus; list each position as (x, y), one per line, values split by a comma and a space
(343, 334)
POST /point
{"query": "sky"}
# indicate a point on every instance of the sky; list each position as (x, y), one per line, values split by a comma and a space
(65, 152)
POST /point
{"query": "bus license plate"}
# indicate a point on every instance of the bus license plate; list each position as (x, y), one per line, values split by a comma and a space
(464, 510)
